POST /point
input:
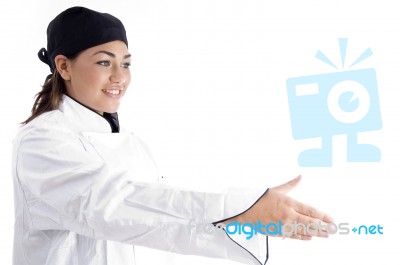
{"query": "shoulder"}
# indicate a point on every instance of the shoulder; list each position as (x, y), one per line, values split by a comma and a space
(48, 124)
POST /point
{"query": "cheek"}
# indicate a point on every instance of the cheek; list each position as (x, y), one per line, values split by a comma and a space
(92, 77)
(86, 85)
(92, 80)
(128, 79)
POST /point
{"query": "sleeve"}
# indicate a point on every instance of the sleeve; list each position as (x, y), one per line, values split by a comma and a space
(66, 188)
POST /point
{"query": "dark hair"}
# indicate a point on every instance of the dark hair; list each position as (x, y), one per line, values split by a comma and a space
(49, 98)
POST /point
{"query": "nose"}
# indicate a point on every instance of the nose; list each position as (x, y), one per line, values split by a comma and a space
(118, 76)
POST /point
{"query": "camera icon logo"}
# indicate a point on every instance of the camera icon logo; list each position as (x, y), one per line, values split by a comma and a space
(330, 104)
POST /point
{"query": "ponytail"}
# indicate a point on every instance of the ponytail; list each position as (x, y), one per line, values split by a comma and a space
(49, 98)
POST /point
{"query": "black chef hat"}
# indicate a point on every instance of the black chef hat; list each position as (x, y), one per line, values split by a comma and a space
(77, 29)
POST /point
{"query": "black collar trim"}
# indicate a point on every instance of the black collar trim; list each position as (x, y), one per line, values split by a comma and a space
(111, 118)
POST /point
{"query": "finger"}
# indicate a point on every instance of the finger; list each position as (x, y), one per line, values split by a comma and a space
(310, 211)
(305, 226)
(311, 227)
(297, 232)
(300, 237)
(288, 186)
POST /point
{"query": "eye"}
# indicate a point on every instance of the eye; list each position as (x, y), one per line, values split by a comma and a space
(104, 63)
(126, 65)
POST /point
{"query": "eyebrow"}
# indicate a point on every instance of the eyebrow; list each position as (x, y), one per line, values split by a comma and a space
(111, 54)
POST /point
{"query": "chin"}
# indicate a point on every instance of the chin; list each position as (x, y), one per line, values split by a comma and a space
(111, 109)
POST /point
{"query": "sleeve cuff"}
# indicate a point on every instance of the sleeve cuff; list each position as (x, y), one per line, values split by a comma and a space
(236, 202)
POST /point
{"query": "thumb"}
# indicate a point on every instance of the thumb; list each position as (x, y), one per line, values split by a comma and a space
(288, 186)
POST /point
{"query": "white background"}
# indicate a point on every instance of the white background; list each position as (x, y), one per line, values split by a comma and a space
(209, 98)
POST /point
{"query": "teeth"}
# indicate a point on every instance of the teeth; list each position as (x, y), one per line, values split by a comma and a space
(112, 91)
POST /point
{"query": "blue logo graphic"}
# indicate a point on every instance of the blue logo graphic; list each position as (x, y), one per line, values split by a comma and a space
(344, 102)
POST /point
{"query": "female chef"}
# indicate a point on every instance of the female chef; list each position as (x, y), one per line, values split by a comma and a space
(86, 191)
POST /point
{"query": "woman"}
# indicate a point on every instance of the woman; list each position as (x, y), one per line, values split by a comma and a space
(86, 191)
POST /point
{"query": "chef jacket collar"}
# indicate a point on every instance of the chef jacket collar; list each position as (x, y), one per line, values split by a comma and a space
(88, 119)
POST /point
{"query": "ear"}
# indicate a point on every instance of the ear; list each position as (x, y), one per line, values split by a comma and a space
(63, 66)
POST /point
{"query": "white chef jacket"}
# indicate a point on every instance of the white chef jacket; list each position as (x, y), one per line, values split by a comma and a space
(86, 196)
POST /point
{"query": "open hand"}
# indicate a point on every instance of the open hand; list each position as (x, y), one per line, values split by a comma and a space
(275, 206)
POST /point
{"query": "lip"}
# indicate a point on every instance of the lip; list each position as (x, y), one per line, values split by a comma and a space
(112, 92)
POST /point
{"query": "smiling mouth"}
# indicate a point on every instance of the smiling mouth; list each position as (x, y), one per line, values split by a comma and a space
(112, 91)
